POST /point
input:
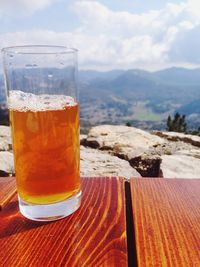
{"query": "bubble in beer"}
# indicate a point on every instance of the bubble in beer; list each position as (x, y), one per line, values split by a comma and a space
(22, 101)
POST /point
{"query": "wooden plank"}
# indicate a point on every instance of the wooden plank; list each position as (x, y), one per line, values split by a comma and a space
(7, 190)
(95, 235)
(166, 214)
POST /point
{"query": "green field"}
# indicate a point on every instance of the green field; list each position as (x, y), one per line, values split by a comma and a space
(146, 115)
(143, 113)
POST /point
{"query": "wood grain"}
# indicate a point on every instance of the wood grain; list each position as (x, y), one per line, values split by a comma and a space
(95, 235)
(167, 222)
(7, 190)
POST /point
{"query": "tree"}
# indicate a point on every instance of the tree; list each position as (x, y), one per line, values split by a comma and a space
(177, 124)
(128, 124)
(195, 132)
(169, 124)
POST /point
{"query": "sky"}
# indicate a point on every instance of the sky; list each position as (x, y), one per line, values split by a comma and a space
(109, 34)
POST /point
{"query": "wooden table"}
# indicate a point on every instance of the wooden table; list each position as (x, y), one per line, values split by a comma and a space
(142, 223)
(166, 214)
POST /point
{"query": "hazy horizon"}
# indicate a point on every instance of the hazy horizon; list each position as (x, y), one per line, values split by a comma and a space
(129, 69)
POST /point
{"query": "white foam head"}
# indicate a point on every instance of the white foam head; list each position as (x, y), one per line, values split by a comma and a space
(21, 101)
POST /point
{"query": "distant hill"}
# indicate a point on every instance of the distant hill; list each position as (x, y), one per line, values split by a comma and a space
(138, 95)
(179, 76)
(89, 75)
(144, 85)
(144, 98)
(191, 108)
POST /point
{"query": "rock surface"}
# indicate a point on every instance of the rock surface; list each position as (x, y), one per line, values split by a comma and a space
(99, 163)
(126, 151)
(180, 166)
(147, 166)
(6, 163)
(5, 131)
(144, 152)
(173, 136)
(125, 142)
(5, 138)
(192, 153)
(128, 143)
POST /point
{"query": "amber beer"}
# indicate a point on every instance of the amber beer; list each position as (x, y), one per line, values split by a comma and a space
(46, 149)
(42, 93)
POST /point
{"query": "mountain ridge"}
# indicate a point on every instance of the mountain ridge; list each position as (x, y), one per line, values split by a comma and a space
(136, 95)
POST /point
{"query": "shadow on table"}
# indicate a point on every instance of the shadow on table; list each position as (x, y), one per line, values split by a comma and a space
(12, 222)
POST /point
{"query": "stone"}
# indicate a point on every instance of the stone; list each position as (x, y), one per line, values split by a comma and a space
(192, 153)
(173, 136)
(147, 166)
(5, 131)
(124, 142)
(180, 166)
(128, 143)
(5, 138)
(98, 163)
(6, 163)
(83, 138)
(127, 152)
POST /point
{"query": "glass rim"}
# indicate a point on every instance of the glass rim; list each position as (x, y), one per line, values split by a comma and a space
(39, 49)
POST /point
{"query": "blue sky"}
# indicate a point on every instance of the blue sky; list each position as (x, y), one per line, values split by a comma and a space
(113, 34)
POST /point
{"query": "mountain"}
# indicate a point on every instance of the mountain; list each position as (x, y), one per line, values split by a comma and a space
(88, 75)
(179, 76)
(191, 108)
(144, 85)
(141, 97)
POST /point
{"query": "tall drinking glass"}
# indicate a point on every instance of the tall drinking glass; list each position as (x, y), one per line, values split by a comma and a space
(44, 115)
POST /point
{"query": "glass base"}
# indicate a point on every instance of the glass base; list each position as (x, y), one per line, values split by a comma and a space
(50, 212)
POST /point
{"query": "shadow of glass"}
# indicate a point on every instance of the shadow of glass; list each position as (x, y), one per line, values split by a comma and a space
(12, 222)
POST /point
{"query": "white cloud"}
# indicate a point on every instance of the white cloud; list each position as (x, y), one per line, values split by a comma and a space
(131, 40)
(193, 7)
(108, 39)
(22, 7)
(186, 47)
(95, 18)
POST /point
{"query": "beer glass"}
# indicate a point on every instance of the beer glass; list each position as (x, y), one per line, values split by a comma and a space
(43, 107)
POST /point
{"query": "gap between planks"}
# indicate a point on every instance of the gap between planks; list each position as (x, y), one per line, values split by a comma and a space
(130, 233)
